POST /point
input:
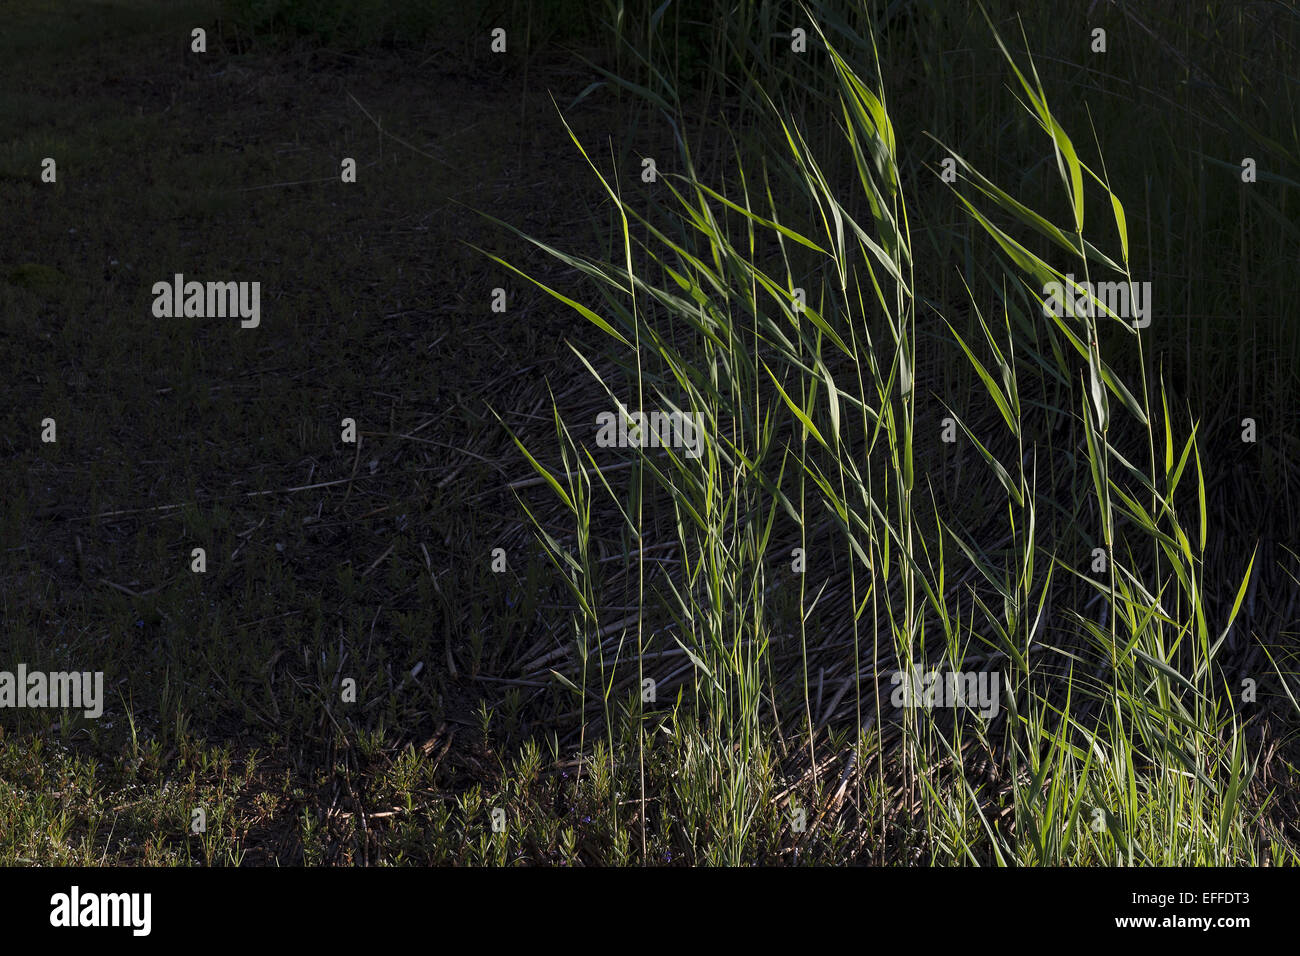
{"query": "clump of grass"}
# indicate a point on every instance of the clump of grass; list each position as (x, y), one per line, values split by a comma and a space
(786, 308)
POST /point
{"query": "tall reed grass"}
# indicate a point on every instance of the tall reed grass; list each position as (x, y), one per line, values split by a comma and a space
(828, 305)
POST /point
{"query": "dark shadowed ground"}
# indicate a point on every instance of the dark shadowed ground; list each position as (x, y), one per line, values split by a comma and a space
(324, 560)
